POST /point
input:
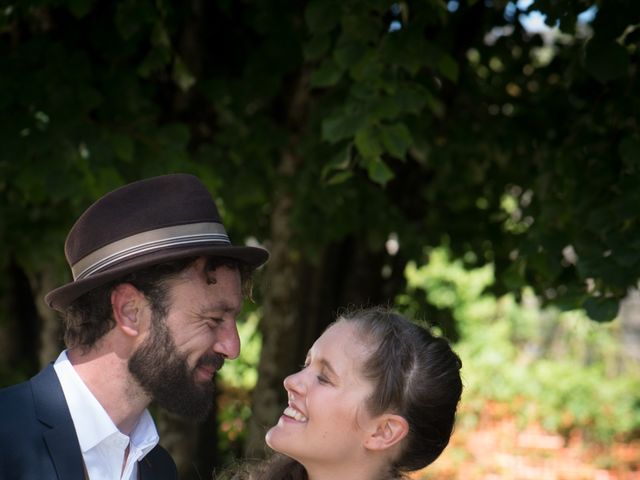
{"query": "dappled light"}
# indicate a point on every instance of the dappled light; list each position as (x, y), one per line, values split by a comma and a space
(472, 163)
(547, 393)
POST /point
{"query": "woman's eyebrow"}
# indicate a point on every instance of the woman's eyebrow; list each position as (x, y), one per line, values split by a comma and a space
(326, 364)
(323, 362)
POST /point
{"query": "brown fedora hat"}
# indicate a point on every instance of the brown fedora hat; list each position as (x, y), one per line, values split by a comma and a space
(142, 224)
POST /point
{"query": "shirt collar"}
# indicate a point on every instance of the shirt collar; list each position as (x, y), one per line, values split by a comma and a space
(92, 423)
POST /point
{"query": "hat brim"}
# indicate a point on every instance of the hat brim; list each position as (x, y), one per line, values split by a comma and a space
(60, 298)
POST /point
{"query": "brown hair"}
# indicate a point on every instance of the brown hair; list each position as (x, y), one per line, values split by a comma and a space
(90, 317)
(415, 375)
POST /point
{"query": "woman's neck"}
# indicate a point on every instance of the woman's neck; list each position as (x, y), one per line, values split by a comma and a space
(363, 471)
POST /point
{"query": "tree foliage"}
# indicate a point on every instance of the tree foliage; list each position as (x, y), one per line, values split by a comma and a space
(452, 112)
(326, 127)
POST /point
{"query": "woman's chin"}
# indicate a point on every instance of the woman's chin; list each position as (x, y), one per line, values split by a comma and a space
(268, 436)
(274, 439)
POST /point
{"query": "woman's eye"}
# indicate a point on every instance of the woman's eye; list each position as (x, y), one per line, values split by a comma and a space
(323, 380)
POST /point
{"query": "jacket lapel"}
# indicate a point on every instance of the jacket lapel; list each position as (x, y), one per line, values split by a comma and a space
(157, 465)
(60, 437)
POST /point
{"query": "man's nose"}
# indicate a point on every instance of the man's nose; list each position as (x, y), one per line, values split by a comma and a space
(227, 342)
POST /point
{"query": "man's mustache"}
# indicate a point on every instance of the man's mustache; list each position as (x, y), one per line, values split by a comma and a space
(214, 360)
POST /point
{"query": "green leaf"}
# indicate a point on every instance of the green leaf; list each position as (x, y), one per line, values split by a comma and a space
(383, 109)
(396, 139)
(160, 36)
(405, 50)
(367, 143)
(448, 67)
(316, 47)
(360, 27)
(349, 54)
(327, 74)
(132, 17)
(514, 276)
(322, 15)
(411, 97)
(378, 171)
(340, 162)
(339, 177)
(341, 126)
(601, 309)
(181, 75)
(155, 60)
(606, 60)
(369, 67)
(435, 105)
(572, 299)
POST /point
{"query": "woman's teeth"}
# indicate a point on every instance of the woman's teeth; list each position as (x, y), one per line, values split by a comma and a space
(295, 414)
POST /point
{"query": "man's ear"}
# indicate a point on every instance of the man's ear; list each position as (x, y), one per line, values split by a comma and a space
(390, 429)
(127, 304)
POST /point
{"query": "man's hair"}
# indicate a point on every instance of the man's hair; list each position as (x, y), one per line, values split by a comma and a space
(90, 316)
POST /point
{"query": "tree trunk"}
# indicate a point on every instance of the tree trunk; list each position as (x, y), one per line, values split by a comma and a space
(30, 335)
(301, 300)
(280, 325)
(180, 438)
(50, 329)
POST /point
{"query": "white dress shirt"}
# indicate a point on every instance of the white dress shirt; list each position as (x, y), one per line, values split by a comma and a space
(103, 445)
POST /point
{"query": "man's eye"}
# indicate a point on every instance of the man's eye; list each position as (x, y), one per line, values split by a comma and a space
(323, 380)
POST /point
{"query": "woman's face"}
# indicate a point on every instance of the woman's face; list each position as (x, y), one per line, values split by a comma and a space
(326, 418)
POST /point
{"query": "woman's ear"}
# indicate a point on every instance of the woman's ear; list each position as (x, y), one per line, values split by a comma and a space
(127, 304)
(390, 429)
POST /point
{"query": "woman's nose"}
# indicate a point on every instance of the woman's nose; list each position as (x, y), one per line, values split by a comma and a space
(294, 383)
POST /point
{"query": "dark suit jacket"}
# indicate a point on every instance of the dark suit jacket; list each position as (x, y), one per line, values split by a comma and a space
(38, 440)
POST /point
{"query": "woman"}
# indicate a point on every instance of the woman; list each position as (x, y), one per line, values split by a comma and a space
(376, 398)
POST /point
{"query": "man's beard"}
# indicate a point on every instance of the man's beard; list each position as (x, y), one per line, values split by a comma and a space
(165, 374)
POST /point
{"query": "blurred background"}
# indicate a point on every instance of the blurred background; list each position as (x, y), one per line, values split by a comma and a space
(473, 163)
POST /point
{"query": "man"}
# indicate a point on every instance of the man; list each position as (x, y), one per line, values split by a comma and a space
(149, 316)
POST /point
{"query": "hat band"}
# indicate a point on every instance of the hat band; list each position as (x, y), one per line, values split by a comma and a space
(146, 242)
